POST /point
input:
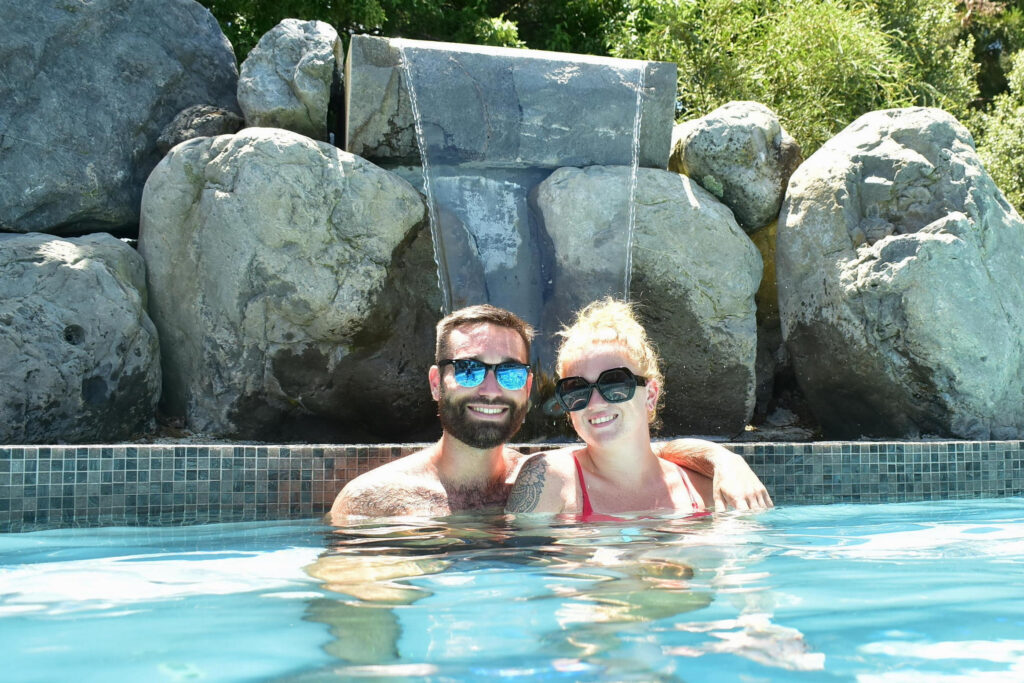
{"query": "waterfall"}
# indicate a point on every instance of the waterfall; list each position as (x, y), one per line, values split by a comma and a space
(490, 125)
(440, 260)
(633, 171)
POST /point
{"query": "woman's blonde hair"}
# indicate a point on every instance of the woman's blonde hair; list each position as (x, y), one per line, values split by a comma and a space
(613, 322)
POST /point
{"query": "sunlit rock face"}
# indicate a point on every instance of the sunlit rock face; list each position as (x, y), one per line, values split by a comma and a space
(287, 80)
(271, 276)
(741, 154)
(522, 108)
(694, 275)
(901, 288)
(87, 89)
(79, 360)
(492, 124)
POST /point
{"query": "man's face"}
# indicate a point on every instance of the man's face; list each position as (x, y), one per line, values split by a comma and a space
(486, 415)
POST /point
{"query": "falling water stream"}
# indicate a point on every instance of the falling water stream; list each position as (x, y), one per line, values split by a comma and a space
(490, 242)
(443, 278)
(634, 166)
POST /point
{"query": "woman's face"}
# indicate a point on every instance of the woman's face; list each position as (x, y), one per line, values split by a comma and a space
(601, 422)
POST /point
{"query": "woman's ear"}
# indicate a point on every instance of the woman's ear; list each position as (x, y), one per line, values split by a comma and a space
(653, 392)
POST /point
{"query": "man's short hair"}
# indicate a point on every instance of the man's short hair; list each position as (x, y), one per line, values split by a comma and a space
(481, 313)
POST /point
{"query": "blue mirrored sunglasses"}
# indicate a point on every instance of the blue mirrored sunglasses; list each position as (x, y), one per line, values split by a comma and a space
(470, 372)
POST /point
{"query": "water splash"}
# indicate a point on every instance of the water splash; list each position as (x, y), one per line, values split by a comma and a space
(634, 168)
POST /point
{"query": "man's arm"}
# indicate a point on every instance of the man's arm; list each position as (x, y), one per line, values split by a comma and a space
(363, 501)
(537, 488)
(373, 495)
(735, 484)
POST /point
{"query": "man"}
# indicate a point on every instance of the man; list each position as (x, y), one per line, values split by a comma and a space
(481, 381)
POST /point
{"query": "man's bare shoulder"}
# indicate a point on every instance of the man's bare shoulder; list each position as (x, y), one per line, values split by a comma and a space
(557, 459)
(544, 482)
(406, 486)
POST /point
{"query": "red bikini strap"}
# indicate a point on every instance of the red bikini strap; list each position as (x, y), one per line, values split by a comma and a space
(690, 491)
(587, 510)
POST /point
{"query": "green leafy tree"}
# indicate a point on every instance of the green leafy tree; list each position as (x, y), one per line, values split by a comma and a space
(822, 65)
(929, 35)
(245, 21)
(818, 64)
(570, 26)
(997, 29)
(1001, 144)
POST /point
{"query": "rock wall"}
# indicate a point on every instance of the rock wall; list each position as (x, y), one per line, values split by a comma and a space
(286, 290)
(87, 89)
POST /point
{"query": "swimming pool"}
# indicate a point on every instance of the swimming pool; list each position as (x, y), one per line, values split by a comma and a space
(887, 592)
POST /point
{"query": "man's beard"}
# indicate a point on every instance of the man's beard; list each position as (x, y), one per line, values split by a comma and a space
(457, 421)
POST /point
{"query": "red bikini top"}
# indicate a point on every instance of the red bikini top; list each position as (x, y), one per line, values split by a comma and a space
(588, 514)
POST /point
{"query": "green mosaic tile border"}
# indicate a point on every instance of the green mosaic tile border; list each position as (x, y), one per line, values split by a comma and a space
(127, 485)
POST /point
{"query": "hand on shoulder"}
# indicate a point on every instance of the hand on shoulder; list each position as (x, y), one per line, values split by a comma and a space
(734, 484)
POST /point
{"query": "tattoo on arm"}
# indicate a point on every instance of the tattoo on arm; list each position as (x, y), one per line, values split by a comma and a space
(526, 493)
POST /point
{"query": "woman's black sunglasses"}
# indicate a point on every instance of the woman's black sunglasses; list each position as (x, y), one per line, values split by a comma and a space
(615, 385)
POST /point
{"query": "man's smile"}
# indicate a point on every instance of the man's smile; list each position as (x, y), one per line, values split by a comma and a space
(487, 410)
(604, 419)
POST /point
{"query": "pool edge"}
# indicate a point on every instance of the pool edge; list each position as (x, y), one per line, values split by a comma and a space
(162, 484)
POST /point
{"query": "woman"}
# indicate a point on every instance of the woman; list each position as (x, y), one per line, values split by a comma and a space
(610, 388)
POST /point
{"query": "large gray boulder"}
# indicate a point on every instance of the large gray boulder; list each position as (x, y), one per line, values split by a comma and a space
(740, 153)
(270, 260)
(523, 108)
(198, 121)
(87, 89)
(287, 79)
(79, 359)
(901, 290)
(694, 272)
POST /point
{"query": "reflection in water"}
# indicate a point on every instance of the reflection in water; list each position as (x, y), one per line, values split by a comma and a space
(584, 600)
(755, 637)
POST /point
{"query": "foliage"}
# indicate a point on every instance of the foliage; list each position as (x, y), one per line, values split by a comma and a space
(1001, 145)
(823, 66)
(245, 21)
(929, 36)
(818, 64)
(569, 26)
(496, 31)
(581, 26)
(701, 38)
(997, 29)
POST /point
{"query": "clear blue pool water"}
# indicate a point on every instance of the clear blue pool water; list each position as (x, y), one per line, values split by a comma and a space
(900, 592)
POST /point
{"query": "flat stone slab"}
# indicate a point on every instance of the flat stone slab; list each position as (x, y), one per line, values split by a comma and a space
(505, 106)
